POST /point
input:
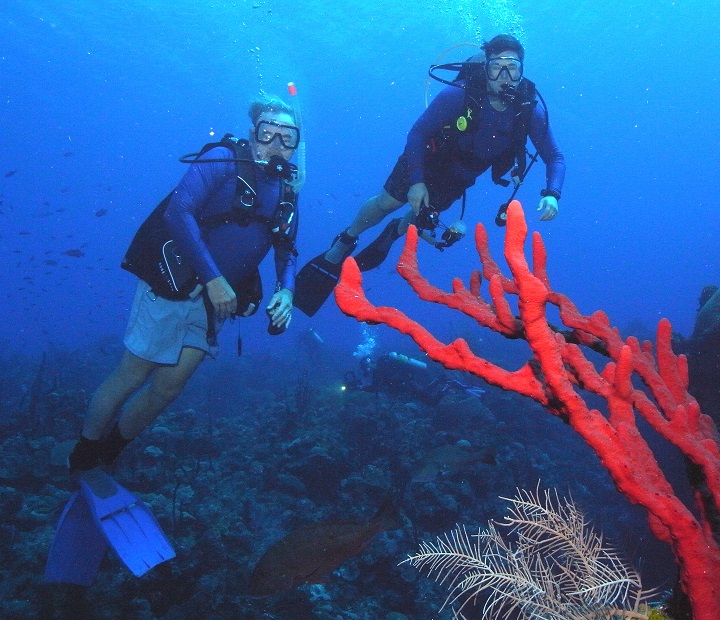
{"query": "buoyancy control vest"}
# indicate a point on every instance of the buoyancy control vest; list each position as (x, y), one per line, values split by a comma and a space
(521, 101)
(154, 256)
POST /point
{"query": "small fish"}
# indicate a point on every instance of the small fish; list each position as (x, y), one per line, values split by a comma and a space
(10, 173)
(68, 154)
(448, 460)
(64, 190)
(74, 252)
(24, 232)
(101, 212)
(50, 262)
(309, 553)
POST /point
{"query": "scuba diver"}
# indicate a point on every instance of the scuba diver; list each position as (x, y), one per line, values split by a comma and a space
(481, 121)
(400, 375)
(197, 257)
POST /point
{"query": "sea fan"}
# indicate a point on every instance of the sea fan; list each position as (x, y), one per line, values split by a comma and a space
(556, 569)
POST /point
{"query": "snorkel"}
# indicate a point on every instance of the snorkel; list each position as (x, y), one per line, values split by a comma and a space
(299, 180)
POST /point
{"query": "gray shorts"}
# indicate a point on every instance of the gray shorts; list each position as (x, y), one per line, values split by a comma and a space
(158, 328)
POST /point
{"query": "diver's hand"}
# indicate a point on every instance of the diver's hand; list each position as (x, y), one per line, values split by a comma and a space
(222, 297)
(280, 308)
(418, 197)
(549, 207)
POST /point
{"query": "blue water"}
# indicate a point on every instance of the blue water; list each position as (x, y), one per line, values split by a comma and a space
(99, 99)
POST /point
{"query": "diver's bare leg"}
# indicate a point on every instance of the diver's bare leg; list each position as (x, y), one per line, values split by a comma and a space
(112, 393)
(371, 213)
(164, 387)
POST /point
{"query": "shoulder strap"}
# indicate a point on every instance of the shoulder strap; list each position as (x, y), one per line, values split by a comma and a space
(244, 202)
(246, 187)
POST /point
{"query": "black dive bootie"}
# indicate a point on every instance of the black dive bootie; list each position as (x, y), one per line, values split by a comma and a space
(342, 246)
(91, 453)
(374, 254)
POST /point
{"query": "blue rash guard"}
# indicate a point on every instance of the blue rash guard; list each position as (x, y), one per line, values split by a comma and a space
(492, 136)
(230, 250)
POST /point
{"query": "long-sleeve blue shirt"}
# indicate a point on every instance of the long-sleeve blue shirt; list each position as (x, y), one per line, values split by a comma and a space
(229, 250)
(492, 136)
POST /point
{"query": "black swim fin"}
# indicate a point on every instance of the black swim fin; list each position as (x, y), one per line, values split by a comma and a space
(318, 278)
(314, 283)
(374, 254)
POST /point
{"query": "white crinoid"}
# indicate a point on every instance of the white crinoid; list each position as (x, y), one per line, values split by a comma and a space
(555, 568)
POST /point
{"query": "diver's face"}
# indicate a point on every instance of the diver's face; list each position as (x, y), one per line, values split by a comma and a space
(275, 133)
(504, 69)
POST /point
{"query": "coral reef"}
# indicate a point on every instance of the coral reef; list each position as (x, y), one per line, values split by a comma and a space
(237, 463)
(562, 377)
(558, 568)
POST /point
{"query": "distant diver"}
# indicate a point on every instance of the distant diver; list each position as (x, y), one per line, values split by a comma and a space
(402, 376)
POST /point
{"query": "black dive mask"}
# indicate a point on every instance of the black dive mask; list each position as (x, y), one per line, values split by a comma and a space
(267, 131)
(508, 65)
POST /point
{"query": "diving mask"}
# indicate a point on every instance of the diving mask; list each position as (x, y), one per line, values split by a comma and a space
(267, 131)
(512, 67)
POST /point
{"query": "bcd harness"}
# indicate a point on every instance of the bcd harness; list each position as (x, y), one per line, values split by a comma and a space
(243, 210)
(154, 257)
(521, 101)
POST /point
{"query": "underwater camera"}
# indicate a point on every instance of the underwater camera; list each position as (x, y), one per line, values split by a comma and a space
(427, 219)
(454, 233)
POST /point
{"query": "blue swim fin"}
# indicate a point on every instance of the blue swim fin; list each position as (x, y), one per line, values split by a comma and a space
(78, 547)
(127, 523)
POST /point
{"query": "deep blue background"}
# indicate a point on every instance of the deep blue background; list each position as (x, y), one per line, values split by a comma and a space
(98, 101)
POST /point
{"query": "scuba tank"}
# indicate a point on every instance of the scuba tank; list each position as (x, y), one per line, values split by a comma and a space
(399, 358)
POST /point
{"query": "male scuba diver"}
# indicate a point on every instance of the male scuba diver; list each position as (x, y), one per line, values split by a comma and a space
(197, 258)
(400, 375)
(481, 121)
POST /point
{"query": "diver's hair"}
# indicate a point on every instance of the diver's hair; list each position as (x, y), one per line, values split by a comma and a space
(269, 103)
(503, 43)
